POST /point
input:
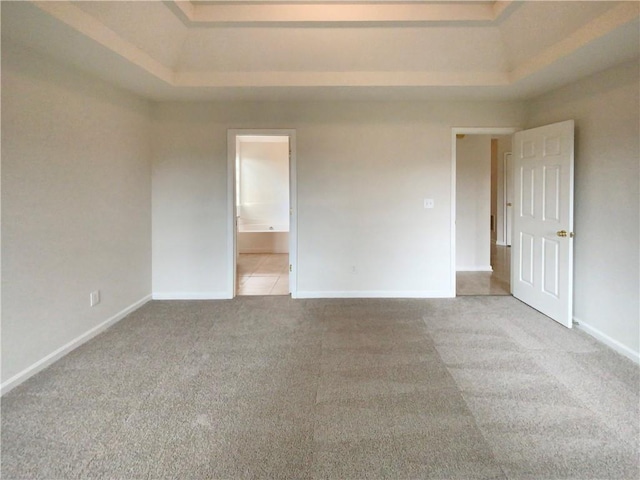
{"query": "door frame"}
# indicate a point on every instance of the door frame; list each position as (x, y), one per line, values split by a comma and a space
(508, 211)
(465, 131)
(232, 134)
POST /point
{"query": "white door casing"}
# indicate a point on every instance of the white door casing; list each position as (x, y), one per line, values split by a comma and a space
(542, 248)
(454, 133)
(232, 134)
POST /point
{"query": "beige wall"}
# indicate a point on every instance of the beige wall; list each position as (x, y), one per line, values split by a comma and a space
(364, 170)
(473, 202)
(606, 109)
(76, 189)
(494, 189)
(76, 200)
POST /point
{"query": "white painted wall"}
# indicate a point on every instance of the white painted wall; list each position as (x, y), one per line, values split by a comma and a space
(76, 202)
(607, 171)
(473, 203)
(363, 172)
(494, 189)
(76, 190)
(263, 182)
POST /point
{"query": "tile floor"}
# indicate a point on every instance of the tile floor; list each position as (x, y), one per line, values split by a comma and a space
(488, 283)
(263, 274)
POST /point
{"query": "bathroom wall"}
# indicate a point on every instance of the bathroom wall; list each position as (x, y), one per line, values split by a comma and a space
(263, 242)
(263, 182)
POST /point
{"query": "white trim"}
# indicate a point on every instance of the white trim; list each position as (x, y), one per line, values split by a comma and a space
(191, 296)
(293, 218)
(452, 233)
(232, 134)
(475, 268)
(44, 362)
(466, 131)
(375, 294)
(231, 213)
(505, 200)
(501, 244)
(607, 340)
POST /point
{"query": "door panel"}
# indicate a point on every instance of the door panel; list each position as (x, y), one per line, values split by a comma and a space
(550, 249)
(527, 202)
(528, 149)
(551, 194)
(526, 258)
(542, 259)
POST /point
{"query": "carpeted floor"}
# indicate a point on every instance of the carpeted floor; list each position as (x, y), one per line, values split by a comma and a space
(269, 387)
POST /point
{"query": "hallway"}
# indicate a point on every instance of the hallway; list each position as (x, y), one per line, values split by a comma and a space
(488, 283)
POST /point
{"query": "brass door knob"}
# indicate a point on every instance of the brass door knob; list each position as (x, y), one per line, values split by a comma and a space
(562, 233)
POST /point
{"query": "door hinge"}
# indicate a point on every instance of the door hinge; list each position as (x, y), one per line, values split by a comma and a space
(290, 268)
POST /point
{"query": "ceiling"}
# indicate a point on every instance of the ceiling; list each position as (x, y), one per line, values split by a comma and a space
(330, 49)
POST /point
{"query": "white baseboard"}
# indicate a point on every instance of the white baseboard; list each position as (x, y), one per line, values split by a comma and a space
(607, 340)
(475, 268)
(374, 294)
(190, 296)
(44, 362)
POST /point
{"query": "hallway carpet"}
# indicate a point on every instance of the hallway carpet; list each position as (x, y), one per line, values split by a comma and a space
(269, 387)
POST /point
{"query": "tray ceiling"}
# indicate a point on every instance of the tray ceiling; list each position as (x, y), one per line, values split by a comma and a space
(237, 49)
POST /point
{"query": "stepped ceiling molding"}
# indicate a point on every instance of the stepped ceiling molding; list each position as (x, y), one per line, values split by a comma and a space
(335, 12)
(330, 49)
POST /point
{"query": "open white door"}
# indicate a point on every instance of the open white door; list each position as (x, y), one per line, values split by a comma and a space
(542, 249)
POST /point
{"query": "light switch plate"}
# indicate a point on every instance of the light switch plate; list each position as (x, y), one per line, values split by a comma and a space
(94, 298)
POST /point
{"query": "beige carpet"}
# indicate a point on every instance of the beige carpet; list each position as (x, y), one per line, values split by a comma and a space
(269, 387)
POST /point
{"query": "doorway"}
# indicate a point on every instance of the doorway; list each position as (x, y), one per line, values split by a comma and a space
(480, 255)
(261, 211)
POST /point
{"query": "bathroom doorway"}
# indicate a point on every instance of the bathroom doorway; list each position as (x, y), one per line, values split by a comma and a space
(263, 212)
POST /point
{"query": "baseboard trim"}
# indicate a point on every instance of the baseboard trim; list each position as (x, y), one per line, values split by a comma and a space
(608, 341)
(485, 268)
(43, 363)
(374, 294)
(190, 296)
